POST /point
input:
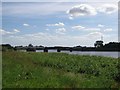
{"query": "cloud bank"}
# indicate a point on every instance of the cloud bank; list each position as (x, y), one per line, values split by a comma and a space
(108, 8)
(82, 10)
(89, 10)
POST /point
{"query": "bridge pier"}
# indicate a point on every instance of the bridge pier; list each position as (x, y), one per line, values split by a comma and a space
(31, 49)
(45, 50)
(58, 50)
(70, 50)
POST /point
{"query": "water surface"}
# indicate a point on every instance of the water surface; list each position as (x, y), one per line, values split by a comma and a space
(96, 53)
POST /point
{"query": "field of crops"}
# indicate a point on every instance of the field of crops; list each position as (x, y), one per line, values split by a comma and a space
(59, 70)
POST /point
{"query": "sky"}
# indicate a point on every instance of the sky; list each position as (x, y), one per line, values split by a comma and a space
(59, 0)
(59, 23)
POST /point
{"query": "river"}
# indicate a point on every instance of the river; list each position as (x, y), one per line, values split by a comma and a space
(96, 53)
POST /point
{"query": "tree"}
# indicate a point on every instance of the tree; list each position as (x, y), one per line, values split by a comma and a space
(98, 44)
(30, 45)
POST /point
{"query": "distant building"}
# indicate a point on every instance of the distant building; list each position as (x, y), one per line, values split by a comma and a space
(98, 43)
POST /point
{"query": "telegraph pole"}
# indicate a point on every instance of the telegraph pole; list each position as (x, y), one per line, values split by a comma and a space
(101, 38)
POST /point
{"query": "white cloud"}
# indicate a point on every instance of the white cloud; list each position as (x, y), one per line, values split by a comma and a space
(108, 8)
(60, 31)
(60, 24)
(92, 29)
(3, 32)
(25, 24)
(88, 10)
(16, 30)
(100, 25)
(108, 30)
(82, 10)
(71, 18)
(47, 29)
(78, 27)
(95, 34)
(85, 28)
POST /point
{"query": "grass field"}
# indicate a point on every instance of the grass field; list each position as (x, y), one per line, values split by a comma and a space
(58, 70)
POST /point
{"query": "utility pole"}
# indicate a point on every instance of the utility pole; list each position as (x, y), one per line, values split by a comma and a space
(101, 38)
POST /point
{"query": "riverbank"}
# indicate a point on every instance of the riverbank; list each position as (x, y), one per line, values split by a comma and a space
(58, 70)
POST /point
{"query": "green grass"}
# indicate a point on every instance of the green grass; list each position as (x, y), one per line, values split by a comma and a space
(58, 70)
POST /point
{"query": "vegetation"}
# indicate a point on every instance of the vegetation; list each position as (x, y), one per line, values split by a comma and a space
(58, 70)
(6, 47)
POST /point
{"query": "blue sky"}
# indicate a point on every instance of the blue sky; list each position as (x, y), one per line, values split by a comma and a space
(59, 23)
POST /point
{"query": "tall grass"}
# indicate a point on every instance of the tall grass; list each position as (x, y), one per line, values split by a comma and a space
(58, 70)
